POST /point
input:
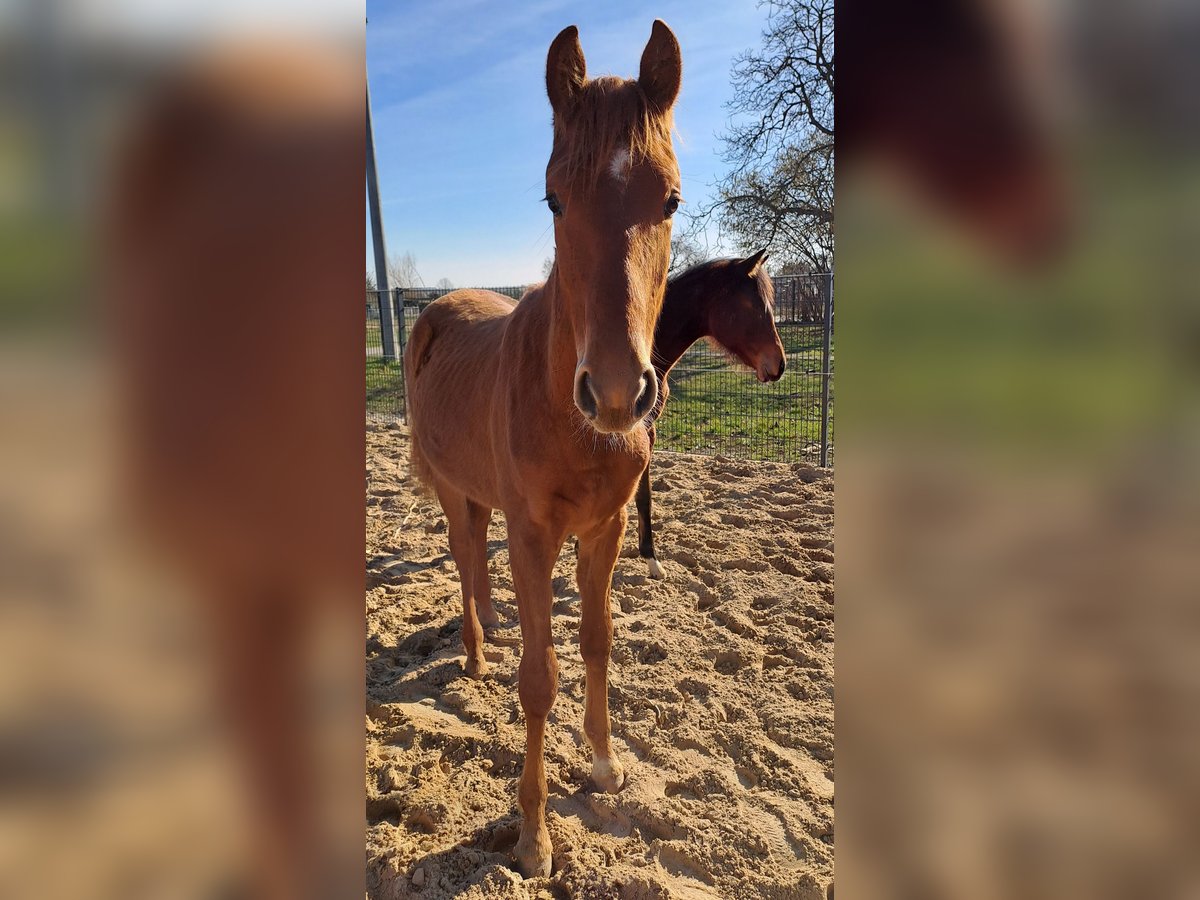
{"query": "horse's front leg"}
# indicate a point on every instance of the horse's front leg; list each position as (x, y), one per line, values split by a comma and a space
(532, 551)
(597, 555)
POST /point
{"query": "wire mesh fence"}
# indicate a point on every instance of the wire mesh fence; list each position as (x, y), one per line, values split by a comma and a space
(716, 404)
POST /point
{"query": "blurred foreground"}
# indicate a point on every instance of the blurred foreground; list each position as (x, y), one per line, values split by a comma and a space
(181, 490)
(1019, 497)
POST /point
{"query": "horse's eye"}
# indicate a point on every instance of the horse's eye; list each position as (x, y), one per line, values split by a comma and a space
(672, 204)
(552, 202)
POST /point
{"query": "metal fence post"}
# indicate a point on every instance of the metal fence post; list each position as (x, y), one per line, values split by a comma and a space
(380, 247)
(825, 373)
(388, 348)
(398, 305)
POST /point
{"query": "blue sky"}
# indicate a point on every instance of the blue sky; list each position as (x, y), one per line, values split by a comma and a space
(462, 123)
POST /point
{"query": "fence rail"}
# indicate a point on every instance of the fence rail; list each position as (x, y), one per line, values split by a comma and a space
(716, 405)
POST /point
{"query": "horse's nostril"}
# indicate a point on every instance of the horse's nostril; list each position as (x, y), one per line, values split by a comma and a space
(647, 395)
(585, 398)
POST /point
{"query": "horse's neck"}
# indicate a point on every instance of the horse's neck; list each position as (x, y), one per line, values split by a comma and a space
(550, 330)
(683, 321)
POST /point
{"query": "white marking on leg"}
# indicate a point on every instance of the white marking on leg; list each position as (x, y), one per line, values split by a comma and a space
(608, 775)
(619, 167)
(656, 570)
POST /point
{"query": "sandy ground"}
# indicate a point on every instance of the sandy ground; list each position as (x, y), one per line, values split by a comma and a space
(721, 693)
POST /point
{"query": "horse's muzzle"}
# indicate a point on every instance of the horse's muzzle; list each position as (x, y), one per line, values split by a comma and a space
(617, 405)
(766, 373)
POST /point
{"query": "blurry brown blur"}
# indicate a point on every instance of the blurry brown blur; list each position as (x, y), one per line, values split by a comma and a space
(1018, 473)
(181, 661)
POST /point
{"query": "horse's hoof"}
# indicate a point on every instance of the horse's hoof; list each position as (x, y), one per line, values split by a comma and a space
(608, 774)
(656, 570)
(476, 668)
(533, 854)
(488, 618)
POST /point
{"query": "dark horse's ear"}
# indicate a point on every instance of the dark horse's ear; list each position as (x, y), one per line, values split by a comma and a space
(566, 71)
(753, 262)
(662, 68)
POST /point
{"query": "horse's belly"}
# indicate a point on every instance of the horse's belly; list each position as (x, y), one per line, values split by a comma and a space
(460, 465)
(458, 446)
(451, 403)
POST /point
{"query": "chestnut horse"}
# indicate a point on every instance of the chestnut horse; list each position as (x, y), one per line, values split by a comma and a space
(730, 301)
(537, 408)
(230, 232)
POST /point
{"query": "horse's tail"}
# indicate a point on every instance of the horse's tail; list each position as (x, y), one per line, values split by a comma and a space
(416, 352)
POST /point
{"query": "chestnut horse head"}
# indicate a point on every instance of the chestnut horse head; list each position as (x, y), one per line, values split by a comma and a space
(612, 184)
(743, 321)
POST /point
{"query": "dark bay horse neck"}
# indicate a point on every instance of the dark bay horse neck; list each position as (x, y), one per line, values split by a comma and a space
(684, 318)
(730, 301)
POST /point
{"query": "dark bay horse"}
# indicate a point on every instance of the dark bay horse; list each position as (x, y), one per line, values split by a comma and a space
(537, 408)
(730, 301)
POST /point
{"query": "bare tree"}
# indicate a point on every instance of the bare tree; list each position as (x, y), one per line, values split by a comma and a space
(444, 284)
(547, 265)
(778, 192)
(787, 206)
(685, 253)
(402, 272)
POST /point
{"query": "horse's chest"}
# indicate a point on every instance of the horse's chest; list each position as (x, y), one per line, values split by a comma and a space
(565, 479)
(587, 494)
(604, 489)
(591, 498)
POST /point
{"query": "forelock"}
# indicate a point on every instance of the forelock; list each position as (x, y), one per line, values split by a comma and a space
(610, 115)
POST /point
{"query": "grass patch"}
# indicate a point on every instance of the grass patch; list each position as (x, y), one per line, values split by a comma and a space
(716, 404)
(385, 386)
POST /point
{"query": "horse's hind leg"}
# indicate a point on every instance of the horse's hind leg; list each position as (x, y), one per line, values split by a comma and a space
(480, 516)
(597, 556)
(645, 524)
(645, 528)
(463, 519)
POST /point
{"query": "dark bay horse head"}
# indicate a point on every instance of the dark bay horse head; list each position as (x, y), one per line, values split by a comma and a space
(940, 99)
(612, 184)
(743, 318)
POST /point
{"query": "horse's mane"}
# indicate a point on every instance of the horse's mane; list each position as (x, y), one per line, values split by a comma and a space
(721, 269)
(609, 114)
(699, 270)
(766, 288)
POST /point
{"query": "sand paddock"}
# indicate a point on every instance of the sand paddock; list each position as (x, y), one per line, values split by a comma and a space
(721, 694)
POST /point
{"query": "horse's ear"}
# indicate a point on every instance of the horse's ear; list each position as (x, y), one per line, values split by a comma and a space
(566, 71)
(754, 262)
(662, 68)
